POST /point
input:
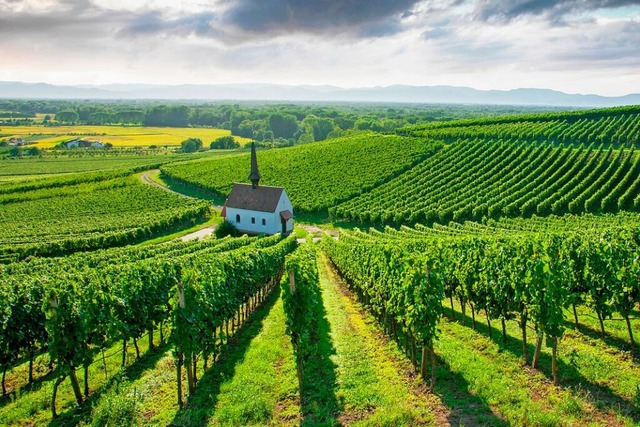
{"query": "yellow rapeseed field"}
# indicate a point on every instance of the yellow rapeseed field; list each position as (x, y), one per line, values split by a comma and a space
(119, 136)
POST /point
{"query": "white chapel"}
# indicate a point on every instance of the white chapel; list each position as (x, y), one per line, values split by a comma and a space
(258, 209)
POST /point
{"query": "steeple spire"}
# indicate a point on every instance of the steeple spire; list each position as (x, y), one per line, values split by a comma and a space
(255, 176)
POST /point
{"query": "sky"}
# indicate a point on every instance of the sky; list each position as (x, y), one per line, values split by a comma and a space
(575, 46)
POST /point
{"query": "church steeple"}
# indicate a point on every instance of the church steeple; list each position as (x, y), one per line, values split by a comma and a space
(255, 176)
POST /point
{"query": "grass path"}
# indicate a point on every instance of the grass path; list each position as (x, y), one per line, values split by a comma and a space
(598, 382)
(373, 383)
(255, 384)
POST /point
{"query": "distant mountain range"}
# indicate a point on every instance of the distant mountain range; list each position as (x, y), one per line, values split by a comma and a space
(271, 92)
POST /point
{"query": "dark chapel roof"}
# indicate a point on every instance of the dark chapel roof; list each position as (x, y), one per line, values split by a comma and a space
(261, 198)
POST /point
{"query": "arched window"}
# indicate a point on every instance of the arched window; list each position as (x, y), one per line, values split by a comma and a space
(238, 218)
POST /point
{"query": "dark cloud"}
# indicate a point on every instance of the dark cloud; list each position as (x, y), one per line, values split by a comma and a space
(201, 24)
(366, 18)
(553, 10)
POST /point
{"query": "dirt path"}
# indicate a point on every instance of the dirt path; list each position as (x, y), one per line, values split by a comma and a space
(199, 234)
(146, 178)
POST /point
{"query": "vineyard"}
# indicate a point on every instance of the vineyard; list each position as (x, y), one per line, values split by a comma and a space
(475, 179)
(316, 176)
(613, 126)
(498, 283)
(537, 275)
(88, 215)
(201, 292)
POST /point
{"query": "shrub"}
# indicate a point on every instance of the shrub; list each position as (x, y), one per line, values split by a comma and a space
(226, 229)
(224, 143)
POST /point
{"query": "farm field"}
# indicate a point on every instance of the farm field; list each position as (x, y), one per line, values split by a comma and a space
(119, 136)
(29, 168)
(492, 282)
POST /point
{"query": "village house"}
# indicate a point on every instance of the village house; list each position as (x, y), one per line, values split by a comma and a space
(258, 209)
(83, 143)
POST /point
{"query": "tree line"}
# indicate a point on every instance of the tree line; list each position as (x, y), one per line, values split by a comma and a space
(271, 124)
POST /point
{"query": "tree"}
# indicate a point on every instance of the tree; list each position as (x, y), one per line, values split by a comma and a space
(224, 142)
(237, 117)
(100, 118)
(191, 145)
(168, 115)
(33, 151)
(317, 127)
(130, 117)
(283, 125)
(67, 116)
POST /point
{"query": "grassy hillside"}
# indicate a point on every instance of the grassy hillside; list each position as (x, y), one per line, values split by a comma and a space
(316, 176)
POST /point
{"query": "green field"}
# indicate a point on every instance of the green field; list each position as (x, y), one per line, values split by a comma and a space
(494, 281)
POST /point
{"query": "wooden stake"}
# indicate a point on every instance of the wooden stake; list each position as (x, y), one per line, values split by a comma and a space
(190, 383)
(292, 281)
(633, 343)
(30, 366)
(59, 380)
(473, 317)
(124, 352)
(179, 378)
(75, 385)
(523, 327)
(453, 313)
(601, 324)
(554, 360)
(86, 381)
(135, 344)
(536, 353)
(464, 311)
(4, 374)
(104, 364)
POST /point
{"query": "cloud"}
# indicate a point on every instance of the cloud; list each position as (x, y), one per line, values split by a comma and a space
(605, 46)
(554, 11)
(342, 42)
(153, 22)
(318, 16)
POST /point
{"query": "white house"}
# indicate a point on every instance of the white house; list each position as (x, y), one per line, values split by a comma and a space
(257, 209)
